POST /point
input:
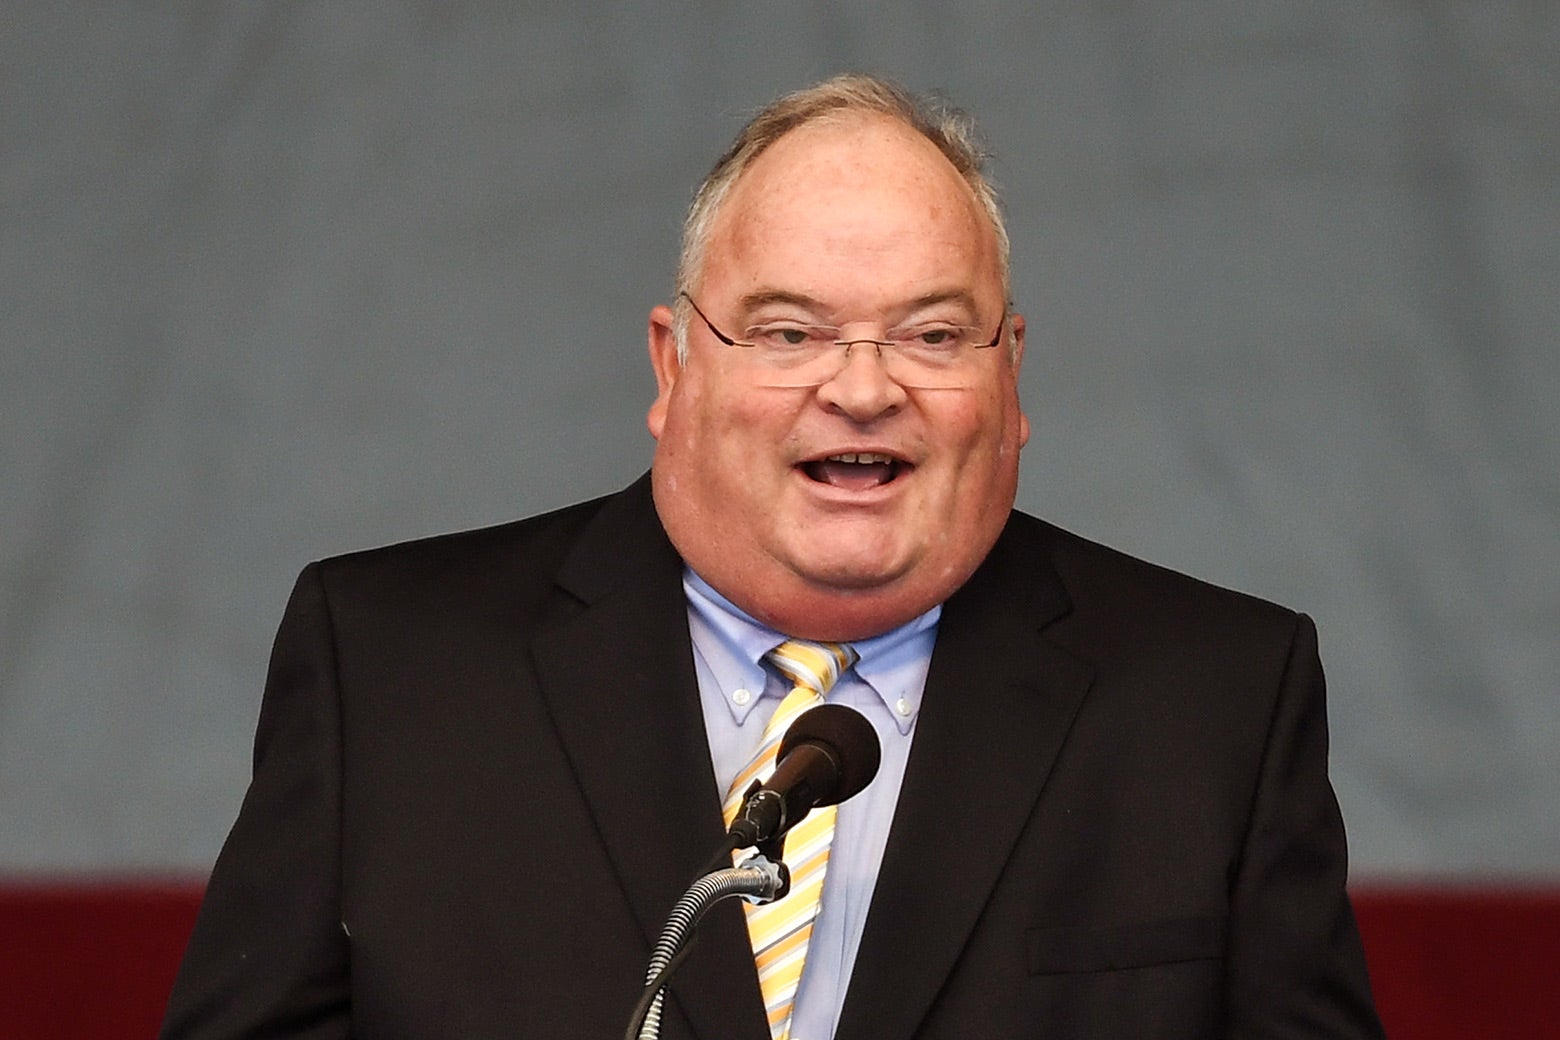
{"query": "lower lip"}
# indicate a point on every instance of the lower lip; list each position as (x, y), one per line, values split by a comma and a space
(862, 496)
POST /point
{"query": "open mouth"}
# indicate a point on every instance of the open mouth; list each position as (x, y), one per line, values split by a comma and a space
(855, 471)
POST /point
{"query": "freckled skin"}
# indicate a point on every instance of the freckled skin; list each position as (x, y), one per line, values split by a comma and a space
(865, 217)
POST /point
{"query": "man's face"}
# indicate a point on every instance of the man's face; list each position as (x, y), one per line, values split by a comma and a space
(841, 510)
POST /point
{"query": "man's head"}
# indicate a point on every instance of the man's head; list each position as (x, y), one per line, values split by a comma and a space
(840, 509)
(841, 98)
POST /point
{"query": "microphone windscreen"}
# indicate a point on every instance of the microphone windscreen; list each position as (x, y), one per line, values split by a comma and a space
(848, 735)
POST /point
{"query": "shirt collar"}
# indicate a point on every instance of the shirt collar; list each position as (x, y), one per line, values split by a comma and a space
(733, 645)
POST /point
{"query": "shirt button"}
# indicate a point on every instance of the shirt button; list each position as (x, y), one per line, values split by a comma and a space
(902, 706)
(741, 697)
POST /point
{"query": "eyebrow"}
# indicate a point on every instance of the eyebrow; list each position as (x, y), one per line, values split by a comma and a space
(961, 296)
(765, 297)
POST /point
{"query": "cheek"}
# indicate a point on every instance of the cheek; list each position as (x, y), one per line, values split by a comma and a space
(726, 439)
(983, 442)
(702, 417)
(976, 432)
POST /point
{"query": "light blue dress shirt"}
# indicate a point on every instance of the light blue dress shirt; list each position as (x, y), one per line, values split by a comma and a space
(738, 694)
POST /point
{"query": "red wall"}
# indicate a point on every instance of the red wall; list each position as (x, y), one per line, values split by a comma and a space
(94, 961)
(90, 961)
(1465, 962)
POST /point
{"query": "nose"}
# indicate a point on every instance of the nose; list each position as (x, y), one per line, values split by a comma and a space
(862, 389)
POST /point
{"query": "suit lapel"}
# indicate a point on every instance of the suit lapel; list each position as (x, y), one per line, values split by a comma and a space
(617, 674)
(999, 701)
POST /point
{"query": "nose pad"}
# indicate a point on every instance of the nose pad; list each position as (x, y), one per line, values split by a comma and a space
(863, 394)
(850, 345)
(883, 354)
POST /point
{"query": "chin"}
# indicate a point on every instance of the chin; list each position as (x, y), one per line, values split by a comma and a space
(851, 583)
(852, 575)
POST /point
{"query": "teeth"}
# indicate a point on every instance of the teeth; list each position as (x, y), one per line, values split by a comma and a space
(861, 456)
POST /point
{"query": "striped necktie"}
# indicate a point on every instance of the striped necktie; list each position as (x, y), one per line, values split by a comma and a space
(780, 930)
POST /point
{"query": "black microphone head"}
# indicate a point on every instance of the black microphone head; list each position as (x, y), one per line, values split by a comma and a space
(850, 739)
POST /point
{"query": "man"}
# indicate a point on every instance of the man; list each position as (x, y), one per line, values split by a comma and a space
(488, 764)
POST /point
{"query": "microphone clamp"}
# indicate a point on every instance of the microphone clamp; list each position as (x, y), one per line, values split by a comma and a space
(762, 817)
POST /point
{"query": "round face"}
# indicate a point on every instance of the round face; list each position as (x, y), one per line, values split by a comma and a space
(841, 510)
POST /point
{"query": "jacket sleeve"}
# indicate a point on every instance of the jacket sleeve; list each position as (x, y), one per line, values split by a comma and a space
(268, 957)
(1296, 967)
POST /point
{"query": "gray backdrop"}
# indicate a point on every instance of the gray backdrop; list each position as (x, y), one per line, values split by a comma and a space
(280, 280)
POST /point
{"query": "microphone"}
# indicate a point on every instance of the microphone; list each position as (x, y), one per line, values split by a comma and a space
(828, 755)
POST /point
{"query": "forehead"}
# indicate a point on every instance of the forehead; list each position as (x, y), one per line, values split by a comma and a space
(849, 201)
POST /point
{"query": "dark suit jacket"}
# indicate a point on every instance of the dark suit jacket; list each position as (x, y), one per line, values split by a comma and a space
(481, 781)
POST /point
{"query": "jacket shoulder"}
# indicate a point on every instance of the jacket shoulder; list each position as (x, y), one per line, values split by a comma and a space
(515, 565)
(1105, 586)
(546, 536)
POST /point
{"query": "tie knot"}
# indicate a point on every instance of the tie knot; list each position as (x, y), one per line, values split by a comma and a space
(812, 666)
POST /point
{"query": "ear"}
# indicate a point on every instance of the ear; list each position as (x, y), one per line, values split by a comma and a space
(1019, 327)
(663, 361)
(1018, 361)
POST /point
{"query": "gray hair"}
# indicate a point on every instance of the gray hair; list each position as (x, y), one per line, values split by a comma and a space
(951, 130)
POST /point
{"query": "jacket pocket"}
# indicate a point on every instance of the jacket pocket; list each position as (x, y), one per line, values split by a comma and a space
(1053, 951)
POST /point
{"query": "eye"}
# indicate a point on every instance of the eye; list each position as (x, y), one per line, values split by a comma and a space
(938, 337)
(783, 335)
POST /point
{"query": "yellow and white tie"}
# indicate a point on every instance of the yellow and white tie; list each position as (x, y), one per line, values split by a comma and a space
(780, 930)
